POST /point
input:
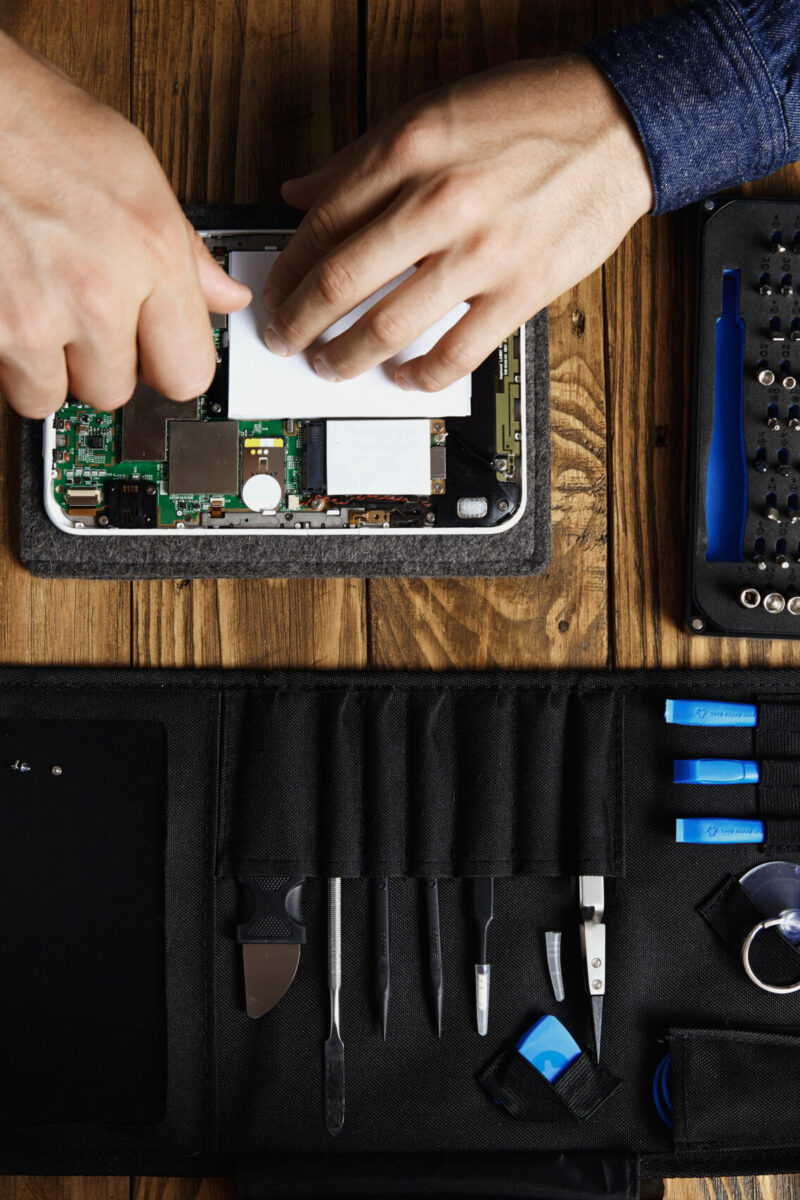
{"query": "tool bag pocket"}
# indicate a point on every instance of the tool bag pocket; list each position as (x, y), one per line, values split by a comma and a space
(734, 1090)
(777, 748)
(441, 778)
(526, 1094)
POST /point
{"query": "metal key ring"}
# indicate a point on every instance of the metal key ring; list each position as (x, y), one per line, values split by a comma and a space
(748, 941)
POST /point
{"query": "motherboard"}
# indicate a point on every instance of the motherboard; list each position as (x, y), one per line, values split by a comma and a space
(160, 464)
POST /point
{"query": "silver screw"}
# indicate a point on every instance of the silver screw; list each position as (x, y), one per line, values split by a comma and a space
(750, 597)
(698, 624)
(430, 517)
(596, 962)
(502, 505)
(774, 603)
(597, 984)
(56, 770)
(709, 205)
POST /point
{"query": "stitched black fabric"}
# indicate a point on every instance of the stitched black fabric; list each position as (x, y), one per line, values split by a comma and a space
(779, 773)
(731, 914)
(753, 1082)
(419, 781)
(501, 1176)
(241, 1089)
(525, 1093)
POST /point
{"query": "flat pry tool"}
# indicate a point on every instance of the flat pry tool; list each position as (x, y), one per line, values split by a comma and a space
(434, 948)
(380, 905)
(334, 1048)
(591, 898)
(270, 935)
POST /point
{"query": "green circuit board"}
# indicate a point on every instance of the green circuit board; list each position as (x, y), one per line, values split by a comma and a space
(160, 464)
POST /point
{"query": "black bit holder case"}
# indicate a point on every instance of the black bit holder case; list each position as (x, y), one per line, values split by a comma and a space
(533, 778)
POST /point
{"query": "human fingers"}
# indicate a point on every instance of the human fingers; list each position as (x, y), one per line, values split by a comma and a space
(392, 324)
(346, 277)
(349, 191)
(464, 347)
(35, 387)
(176, 350)
(221, 292)
(102, 365)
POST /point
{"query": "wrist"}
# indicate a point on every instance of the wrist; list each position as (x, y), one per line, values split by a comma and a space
(616, 136)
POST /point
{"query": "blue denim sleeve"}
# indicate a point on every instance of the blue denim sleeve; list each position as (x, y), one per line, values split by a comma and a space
(714, 89)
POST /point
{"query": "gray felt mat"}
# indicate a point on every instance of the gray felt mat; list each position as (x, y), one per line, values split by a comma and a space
(524, 550)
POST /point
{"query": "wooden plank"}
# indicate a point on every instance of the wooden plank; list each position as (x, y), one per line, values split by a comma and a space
(67, 1187)
(62, 622)
(236, 95)
(250, 623)
(765, 1187)
(559, 618)
(160, 1188)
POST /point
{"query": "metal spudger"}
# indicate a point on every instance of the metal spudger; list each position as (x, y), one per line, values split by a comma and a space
(334, 1048)
(482, 892)
(434, 942)
(380, 902)
(591, 897)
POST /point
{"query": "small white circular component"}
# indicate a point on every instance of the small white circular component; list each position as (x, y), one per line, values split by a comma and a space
(262, 493)
(774, 603)
(472, 508)
(793, 606)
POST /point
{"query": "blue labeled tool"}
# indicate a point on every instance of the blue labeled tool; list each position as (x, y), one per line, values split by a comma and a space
(717, 714)
(549, 1047)
(718, 831)
(714, 770)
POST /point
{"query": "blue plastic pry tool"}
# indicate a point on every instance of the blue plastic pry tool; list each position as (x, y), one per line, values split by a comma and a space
(726, 473)
(718, 831)
(714, 770)
(549, 1047)
(711, 713)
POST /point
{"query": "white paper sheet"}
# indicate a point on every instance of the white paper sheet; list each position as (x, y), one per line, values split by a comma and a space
(388, 458)
(265, 386)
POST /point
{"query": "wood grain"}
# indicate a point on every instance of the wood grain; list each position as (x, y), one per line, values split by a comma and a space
(66, 1187)
(765, 1187)
(236, 96)
(64, 622)
(160, 1188)
(560, 618)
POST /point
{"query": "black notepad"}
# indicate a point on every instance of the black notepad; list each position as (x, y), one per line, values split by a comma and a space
(82, 1013)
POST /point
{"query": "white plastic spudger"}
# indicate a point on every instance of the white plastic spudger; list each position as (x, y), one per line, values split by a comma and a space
(553, 944)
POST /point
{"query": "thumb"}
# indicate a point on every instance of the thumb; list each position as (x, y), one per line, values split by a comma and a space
(221, 293)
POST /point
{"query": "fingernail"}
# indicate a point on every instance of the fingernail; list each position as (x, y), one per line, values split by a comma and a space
(275, 342)
(403, 382)
(325, 371)
(273, 298)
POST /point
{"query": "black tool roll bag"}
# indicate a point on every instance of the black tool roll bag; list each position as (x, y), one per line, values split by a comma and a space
(136, 800)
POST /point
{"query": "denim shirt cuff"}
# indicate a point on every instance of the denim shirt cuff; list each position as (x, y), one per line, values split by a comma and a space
(700, 93)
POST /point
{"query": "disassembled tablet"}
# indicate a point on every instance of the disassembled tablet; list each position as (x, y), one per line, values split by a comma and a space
(193, 468)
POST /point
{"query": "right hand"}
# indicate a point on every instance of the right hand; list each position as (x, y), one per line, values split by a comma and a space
(104, 278)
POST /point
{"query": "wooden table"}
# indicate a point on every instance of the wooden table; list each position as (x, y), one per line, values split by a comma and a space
(236, 95)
